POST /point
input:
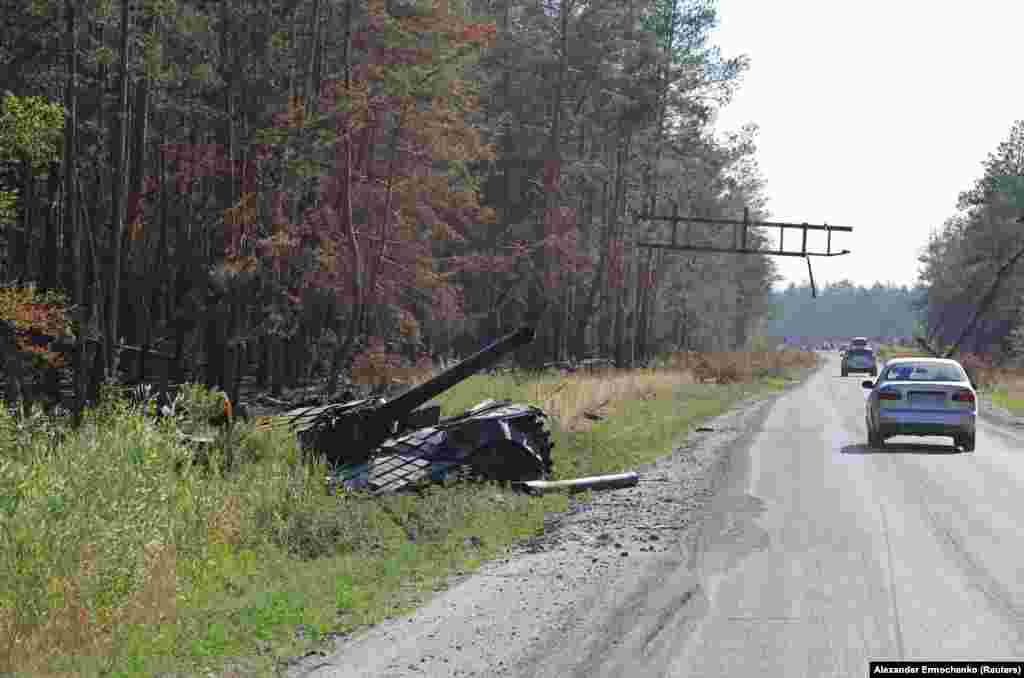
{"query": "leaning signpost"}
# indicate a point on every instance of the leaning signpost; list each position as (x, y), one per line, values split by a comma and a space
(741, 231)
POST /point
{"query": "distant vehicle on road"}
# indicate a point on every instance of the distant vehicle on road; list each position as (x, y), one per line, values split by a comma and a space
(859, 360)
(922, 397)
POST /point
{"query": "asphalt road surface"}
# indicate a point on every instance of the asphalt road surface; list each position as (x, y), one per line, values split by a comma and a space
(778, 544)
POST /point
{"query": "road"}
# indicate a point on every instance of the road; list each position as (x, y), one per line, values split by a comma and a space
(808, 554)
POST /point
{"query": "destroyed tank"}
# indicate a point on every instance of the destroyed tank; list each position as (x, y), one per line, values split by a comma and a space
(381, 445)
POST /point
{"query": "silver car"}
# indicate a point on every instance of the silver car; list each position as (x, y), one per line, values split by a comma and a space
(922, 397)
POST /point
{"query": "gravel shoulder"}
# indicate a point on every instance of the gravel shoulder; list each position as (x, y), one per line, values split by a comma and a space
(599, 562)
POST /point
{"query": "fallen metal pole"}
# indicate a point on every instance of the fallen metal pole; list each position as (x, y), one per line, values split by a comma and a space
(612, 482)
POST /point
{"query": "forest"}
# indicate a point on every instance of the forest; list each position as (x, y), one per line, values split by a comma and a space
(970, 269)
(288, 190)
(843, 310)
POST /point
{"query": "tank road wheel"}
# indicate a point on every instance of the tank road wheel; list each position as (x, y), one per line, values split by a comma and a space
(539, 440)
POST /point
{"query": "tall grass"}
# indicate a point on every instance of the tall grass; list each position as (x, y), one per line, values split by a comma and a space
(110, 528)
(121, 556)
(1006, 386)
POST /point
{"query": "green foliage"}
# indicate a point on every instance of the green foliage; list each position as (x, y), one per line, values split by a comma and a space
(161, 8)
(963, 260)
(202, 73)
(191, 22)
(39, 8)
(104, 56)
(273, 609)
(104, 8)
(280, 41)
(682, 27)
(1012, 187)
(153, 57)
(30, 130)
(198, 402)
(8, 206)
(1012, 402)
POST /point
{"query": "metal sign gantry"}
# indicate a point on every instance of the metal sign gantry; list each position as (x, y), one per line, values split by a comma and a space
(740, 231)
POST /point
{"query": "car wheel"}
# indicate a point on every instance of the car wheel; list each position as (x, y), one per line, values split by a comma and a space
(874, 373)
(967, 442)
(843, 373)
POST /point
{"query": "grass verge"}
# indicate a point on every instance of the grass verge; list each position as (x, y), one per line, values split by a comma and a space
(887, 352)
(119, 558)
(1009, 396)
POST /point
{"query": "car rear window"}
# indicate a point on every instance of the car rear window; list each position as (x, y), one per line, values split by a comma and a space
(924, 372)
(863, 352)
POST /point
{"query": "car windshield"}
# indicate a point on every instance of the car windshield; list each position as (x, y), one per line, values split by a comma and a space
(924, 372)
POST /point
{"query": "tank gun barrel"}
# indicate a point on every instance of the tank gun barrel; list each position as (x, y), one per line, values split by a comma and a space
(481, 360)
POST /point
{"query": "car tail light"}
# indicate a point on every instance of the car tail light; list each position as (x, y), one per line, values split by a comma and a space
(964, 396)
(889, 395)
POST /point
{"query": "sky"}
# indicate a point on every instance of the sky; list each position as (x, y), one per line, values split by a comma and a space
(873, 114)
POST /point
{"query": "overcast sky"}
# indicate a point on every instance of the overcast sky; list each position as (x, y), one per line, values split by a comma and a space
(873, 114)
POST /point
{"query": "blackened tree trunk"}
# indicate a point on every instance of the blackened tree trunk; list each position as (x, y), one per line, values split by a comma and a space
(72, 224)
(120, 190)
(50, 272)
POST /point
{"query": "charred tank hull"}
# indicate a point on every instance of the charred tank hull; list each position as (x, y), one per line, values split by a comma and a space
(350, 433)
(499, 441)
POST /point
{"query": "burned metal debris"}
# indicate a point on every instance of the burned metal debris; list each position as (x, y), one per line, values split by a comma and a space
(385, 445)
(610, 482)
(493, 441)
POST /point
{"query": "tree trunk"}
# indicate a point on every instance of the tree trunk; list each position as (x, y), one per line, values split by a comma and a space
(587, 309)
(620, 297)
(276, 365)
(50, 271)
(72, 224)
(120, 189)
(10, 361)
(22, 240)
(345, 207)
(986, 302)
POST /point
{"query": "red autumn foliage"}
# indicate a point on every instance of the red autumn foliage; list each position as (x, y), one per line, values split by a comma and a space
(616, 263)
(37, 318)
(384, 210)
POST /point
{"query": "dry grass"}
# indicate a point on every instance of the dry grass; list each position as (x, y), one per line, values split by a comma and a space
(568, 397)
(730, 367)
(1009, 379)
(75, 629)
(601, 392)
(1006, 386)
